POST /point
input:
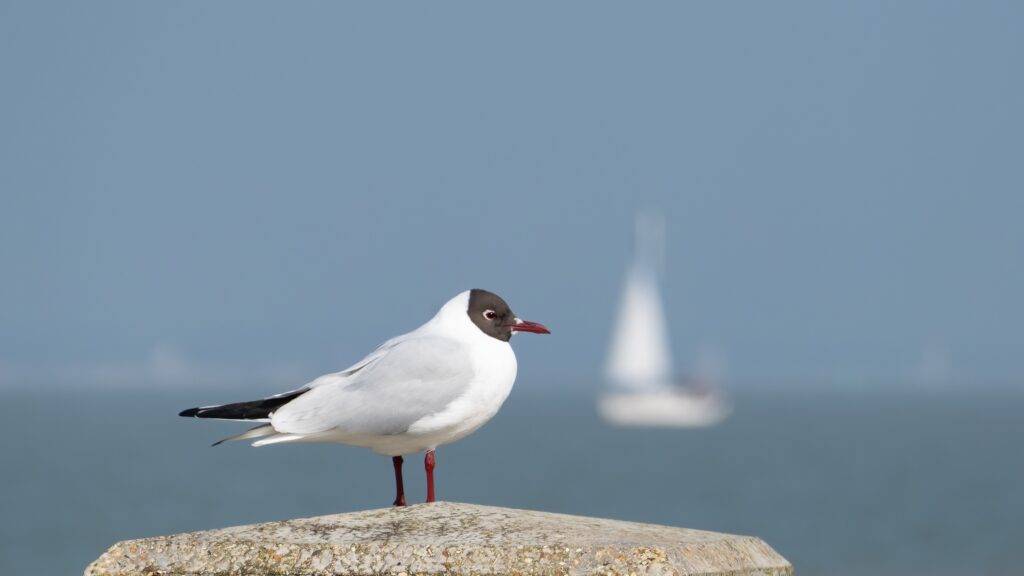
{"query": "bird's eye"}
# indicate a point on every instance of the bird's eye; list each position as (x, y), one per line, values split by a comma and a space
(490, 315)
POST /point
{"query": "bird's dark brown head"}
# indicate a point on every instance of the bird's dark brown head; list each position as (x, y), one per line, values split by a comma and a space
(493, 317)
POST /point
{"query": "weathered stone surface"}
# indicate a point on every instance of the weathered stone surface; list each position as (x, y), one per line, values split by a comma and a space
(443, 538)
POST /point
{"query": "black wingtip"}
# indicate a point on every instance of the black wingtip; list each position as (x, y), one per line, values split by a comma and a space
(217, 443)
(191, 412)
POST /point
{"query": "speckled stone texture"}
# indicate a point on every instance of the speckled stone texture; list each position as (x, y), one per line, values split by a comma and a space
(443, 538)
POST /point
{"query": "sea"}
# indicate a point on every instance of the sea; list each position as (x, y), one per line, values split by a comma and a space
(840, 483)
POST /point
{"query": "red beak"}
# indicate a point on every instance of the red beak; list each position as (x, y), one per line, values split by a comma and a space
(535, 327)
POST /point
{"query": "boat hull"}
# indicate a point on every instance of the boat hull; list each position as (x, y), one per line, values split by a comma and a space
(671, 409)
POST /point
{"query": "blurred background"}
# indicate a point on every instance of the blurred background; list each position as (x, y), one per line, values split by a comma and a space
(209, 203)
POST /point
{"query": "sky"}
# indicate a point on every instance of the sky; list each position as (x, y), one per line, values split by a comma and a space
(207, 194)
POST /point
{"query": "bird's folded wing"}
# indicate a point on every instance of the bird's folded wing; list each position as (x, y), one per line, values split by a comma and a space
(344, 377)
(403, 383)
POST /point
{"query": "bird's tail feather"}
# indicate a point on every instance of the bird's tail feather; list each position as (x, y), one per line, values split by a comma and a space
(257, 432)
(278, 438)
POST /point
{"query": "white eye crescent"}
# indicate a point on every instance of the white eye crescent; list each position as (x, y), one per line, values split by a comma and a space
(490, 315)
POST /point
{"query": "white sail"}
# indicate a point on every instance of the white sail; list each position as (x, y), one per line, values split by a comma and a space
(640, 358)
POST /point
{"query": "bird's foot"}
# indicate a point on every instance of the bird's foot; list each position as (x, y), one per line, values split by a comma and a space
(399, 486)
(428, 465)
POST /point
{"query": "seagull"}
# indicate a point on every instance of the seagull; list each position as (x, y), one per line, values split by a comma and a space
(434, 385)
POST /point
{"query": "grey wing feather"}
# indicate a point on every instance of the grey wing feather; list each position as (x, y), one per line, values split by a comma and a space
(389, 391)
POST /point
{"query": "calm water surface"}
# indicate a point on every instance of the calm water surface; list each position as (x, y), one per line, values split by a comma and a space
(839, 484)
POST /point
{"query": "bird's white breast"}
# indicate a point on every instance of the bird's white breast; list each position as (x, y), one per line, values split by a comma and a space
(494, 365)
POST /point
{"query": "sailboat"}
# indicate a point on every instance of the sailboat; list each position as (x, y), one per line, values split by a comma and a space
(642, 390)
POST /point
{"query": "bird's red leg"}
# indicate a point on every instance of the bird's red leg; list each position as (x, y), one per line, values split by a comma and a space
(428, 465)
(400, 498)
